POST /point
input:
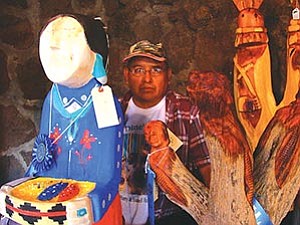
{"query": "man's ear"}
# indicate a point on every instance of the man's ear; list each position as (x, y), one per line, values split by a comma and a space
(126, 74)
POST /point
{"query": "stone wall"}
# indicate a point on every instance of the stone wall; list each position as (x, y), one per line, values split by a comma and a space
(197, 34)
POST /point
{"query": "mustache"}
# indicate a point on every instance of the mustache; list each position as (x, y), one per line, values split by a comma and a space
(147, 86)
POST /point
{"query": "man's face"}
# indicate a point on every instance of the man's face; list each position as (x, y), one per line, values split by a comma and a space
(64, 52)
(148, 80)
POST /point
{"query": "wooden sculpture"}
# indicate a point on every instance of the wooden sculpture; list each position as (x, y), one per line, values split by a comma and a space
(228, 147)
(172, 176)
(277, 160)
(74, 174)
(276, 176)
(254, 99)
(212, 93)
(293, 57)
(230, 192)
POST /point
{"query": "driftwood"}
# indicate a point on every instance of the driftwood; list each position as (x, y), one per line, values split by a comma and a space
(276, 176)
(231, 189)
(277, 171)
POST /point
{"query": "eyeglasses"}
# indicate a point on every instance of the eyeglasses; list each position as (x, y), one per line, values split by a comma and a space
(140, 71)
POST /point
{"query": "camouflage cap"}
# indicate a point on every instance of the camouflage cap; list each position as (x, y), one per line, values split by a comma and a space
(146, 49)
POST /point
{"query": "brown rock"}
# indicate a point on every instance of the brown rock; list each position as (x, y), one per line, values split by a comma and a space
(32, 79)
(179, 46)
(54, 7)
(111, 7)
(15, 3)
(10, 169)
(14, 128)
(16, 31)
(4, 79)
(86, 3)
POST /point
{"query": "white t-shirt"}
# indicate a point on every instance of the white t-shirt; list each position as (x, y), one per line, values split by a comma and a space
(133, 192)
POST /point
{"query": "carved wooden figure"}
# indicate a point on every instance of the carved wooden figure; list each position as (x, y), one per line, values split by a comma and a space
(276, 177)
(74, 174)
(231, 156)
(293, 56)
(229, 199)
(277, 160)
(172, 176)
(254, 99)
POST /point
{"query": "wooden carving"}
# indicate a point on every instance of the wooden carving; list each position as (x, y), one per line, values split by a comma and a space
(172, 176)
(227, 144)
(254, 99)
(275, 179)
(231, 189)
(293, 58)
(246, 4)
(277, 160)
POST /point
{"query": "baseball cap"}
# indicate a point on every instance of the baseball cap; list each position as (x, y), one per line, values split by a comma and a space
(146, 49)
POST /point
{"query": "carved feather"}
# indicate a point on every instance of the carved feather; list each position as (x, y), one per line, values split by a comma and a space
(285, 157)
(289, 148)
(246, 4)
(180, 185)
(162, 163)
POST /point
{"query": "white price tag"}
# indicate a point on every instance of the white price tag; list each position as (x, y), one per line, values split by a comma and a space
(104, 107)
(295, 14)
(175, 142)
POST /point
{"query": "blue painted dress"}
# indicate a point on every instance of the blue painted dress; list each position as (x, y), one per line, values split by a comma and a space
(82, 151)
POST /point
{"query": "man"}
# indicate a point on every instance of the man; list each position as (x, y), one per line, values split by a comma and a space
(147, 74)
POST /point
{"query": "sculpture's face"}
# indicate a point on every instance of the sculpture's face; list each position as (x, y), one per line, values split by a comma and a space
(155, 135)
(250, 18)
(65, 54)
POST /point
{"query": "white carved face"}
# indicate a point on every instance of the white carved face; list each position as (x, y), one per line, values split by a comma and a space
(64, 52)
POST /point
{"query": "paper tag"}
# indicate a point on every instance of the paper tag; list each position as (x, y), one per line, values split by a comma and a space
(295, 14)
(175, 142)
(104, 106)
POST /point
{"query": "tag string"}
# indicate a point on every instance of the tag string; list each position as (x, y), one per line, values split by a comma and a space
(152, 153)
